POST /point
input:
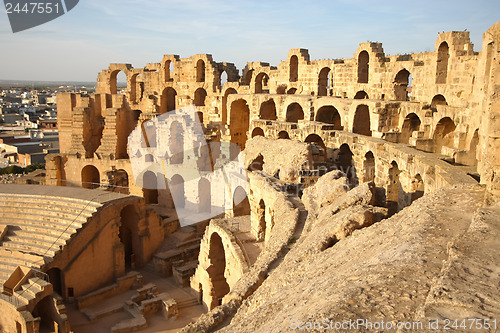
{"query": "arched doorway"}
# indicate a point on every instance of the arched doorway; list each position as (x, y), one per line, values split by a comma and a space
(401, 82)
(257, 131)
(442, 63)
(204, 196)
(329, 114)
(261, 81)
(294, 68)
(239, 123)
(392, 195)
(118, 79)
(127, 234)
(177, 190)
(345, 163)
(438, 100)
(150, 187)
(283, 135)
(90, 177)
(294, 113)
(444, 134)
(369, 167)
(268, 110)
(56, 279)
(361, 95)
(363, 67)
(361, 123)
(168, 100)
(216, 270)
(199, 97)
(417, 187)
(324, 82)
(410, 124)
(241, 204)
(200, 71)
(224, 103)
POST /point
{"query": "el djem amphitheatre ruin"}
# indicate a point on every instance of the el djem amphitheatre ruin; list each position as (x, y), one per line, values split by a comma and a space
(369, 189)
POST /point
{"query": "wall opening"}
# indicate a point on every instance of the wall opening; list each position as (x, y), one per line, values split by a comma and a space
(257, 164)
(369, 167)
(268, 110)
(118, 82)
(294, 68)
(261, 215)
(361, 123)
(224, 104)
(473, 148)
(169, 69)
(324, 82)
(261, 83)
(363, 67)
(168, 100)
(410, 124)
(241, 204)
(345, 163)
(90, 177)
(200, 71)
(329, 114)
(150, 187)
(223, 78)
(176, 143)
(216, 270)
(294, 113)
(417, 187)
(392, 194)
(239, 124)
(177, 190)
(361, 95)
(401, 82)
(204, 196)
(199, 97)
(283, 135)
(291, 91)
(438, 100)
(444, 134)
(442, 63)
(128, 223)
(56, 278)
(257, 131)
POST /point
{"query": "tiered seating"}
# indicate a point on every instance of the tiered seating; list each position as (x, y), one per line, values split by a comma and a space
(37, 227)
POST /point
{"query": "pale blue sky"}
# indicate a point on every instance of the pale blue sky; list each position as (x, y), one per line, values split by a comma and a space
(76, 46)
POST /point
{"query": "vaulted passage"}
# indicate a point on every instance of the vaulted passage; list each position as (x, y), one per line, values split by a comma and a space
(168, 100)
(362, 121)
(224, 103)
(443, 135)
(199, 97)
(239, 123)
(268, 110)
(241, 204)
(128, 224)
(294, 113)
(329, 114)
(217, 259)
(324, 82)
(401, 82)
(283, 135)
(363, 69)
(150, 187)
(177, 190)
(410, 124)
(90, 177)
(321, 149)
(442, 63)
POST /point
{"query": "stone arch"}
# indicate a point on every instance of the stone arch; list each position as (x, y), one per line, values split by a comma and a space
(294, 68)
(361, 95)
(239, 123)
(438, 100)
(168, 100)
(324, 81)
(169, 70)
(329, 114)
(200, 95)
(223, 78)
(363, 67)
(443, 134)
(127, 234)
(392, 191)
(150, 187)
(261, 83)
(176, 143)
(361, 123)
(345, 162)
(216, 270)
(411, 124)
(443, 55)
(283, 135)
(369, 167)
(204, 196)
(177, 190)
(268, 110)
(417, 187)
(90, 177)
(241, 204)
(113, 81)
(257, 131)
(294, 113)
(401, 82)
(316, 139)
(200, 71)
(224, 103)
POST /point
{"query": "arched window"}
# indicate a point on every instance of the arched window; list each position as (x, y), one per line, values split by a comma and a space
(401, 82)
(200, 71)
(268, 110)
(363, 67)
(294, 113)
(361, 123)
(329, 114)
(442, 63)
(199, 97)
(294, 68)
(168, 100)
(324, 82)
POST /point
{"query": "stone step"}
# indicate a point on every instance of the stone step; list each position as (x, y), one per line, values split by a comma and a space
(11, 197)
(23, 211)
(45, 220)
(187, 303)
(21, 245)
(55, 206)
(39, 238)
(33, 226)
